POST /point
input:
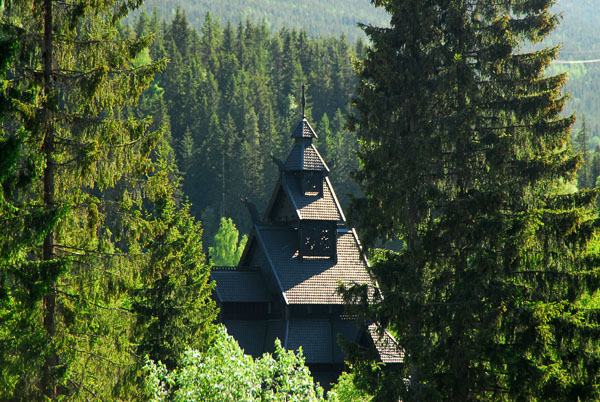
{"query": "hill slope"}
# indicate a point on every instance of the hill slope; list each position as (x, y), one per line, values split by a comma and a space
(577, 33)
(317, 17)
(580, 39)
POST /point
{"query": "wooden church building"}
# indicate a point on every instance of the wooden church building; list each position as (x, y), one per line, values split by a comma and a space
(285, 285)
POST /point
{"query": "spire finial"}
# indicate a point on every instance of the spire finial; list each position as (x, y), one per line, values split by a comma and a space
(303, 102)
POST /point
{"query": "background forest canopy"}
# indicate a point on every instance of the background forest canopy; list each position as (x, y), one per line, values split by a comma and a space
(230, 92)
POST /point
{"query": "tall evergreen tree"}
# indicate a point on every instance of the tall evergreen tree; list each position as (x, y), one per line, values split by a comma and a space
(23, 226)
(464, 156)
(87, 153)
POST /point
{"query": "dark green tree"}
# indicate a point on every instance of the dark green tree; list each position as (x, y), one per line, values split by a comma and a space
(465, 157)
(595, 167)
(23, 226)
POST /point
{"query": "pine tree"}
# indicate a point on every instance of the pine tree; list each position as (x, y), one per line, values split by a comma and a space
(23, 227)
(595, 167)
(210, 42)
(341, 149)
(464, 154)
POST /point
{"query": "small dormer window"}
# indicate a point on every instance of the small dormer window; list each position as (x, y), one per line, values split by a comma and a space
(318, 239)
(312, 183)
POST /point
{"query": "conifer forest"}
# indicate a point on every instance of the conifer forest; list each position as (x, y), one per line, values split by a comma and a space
(463, 142)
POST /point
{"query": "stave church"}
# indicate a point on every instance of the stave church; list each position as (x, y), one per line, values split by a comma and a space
(286, 283)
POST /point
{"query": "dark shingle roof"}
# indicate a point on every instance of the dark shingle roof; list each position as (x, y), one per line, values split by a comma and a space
(240, 286)
(315, 280)
(249, 334)
(388, 348)
(349, 330)
(276, 329)
(315, 207)
(304, 130)
(318, 338)
(315, 338)
(304, 156)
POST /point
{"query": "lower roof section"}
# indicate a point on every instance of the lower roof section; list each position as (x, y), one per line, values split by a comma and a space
(318, 338)
(237, 285)
(386, 345)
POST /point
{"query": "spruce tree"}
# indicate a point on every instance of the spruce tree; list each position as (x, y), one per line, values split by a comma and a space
(464, 157)
(23, 226)
(173, 305)
(581, 144)
(86, 154)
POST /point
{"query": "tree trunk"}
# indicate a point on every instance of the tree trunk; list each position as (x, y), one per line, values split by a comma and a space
(48, 381)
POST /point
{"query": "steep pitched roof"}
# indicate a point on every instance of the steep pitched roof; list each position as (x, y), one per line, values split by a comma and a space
(386, 345)
(324, 206)
(304, 130)
(240, 286)
(312, 280)
(304, 156)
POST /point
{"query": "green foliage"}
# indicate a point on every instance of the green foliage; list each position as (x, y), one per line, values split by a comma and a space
(227, 250)
(345, 390)
(174, 308)
(579, 40)
(76, 186)
(23, 283)
(225, 374)
(465, 157)
(23, 226)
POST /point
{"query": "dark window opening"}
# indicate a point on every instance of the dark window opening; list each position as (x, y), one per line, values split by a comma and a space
(318, 239)
(312, 183)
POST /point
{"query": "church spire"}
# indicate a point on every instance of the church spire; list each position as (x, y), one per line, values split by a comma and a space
(304, 130)
(303, 102)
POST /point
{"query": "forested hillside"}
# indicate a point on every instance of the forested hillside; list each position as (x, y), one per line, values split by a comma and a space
(124, 145)
(579, 36)
(317, 17)
(230, 96)
(576, 33)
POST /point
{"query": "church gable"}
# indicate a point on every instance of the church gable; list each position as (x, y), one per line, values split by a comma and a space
(281, 208)
(315, 205)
